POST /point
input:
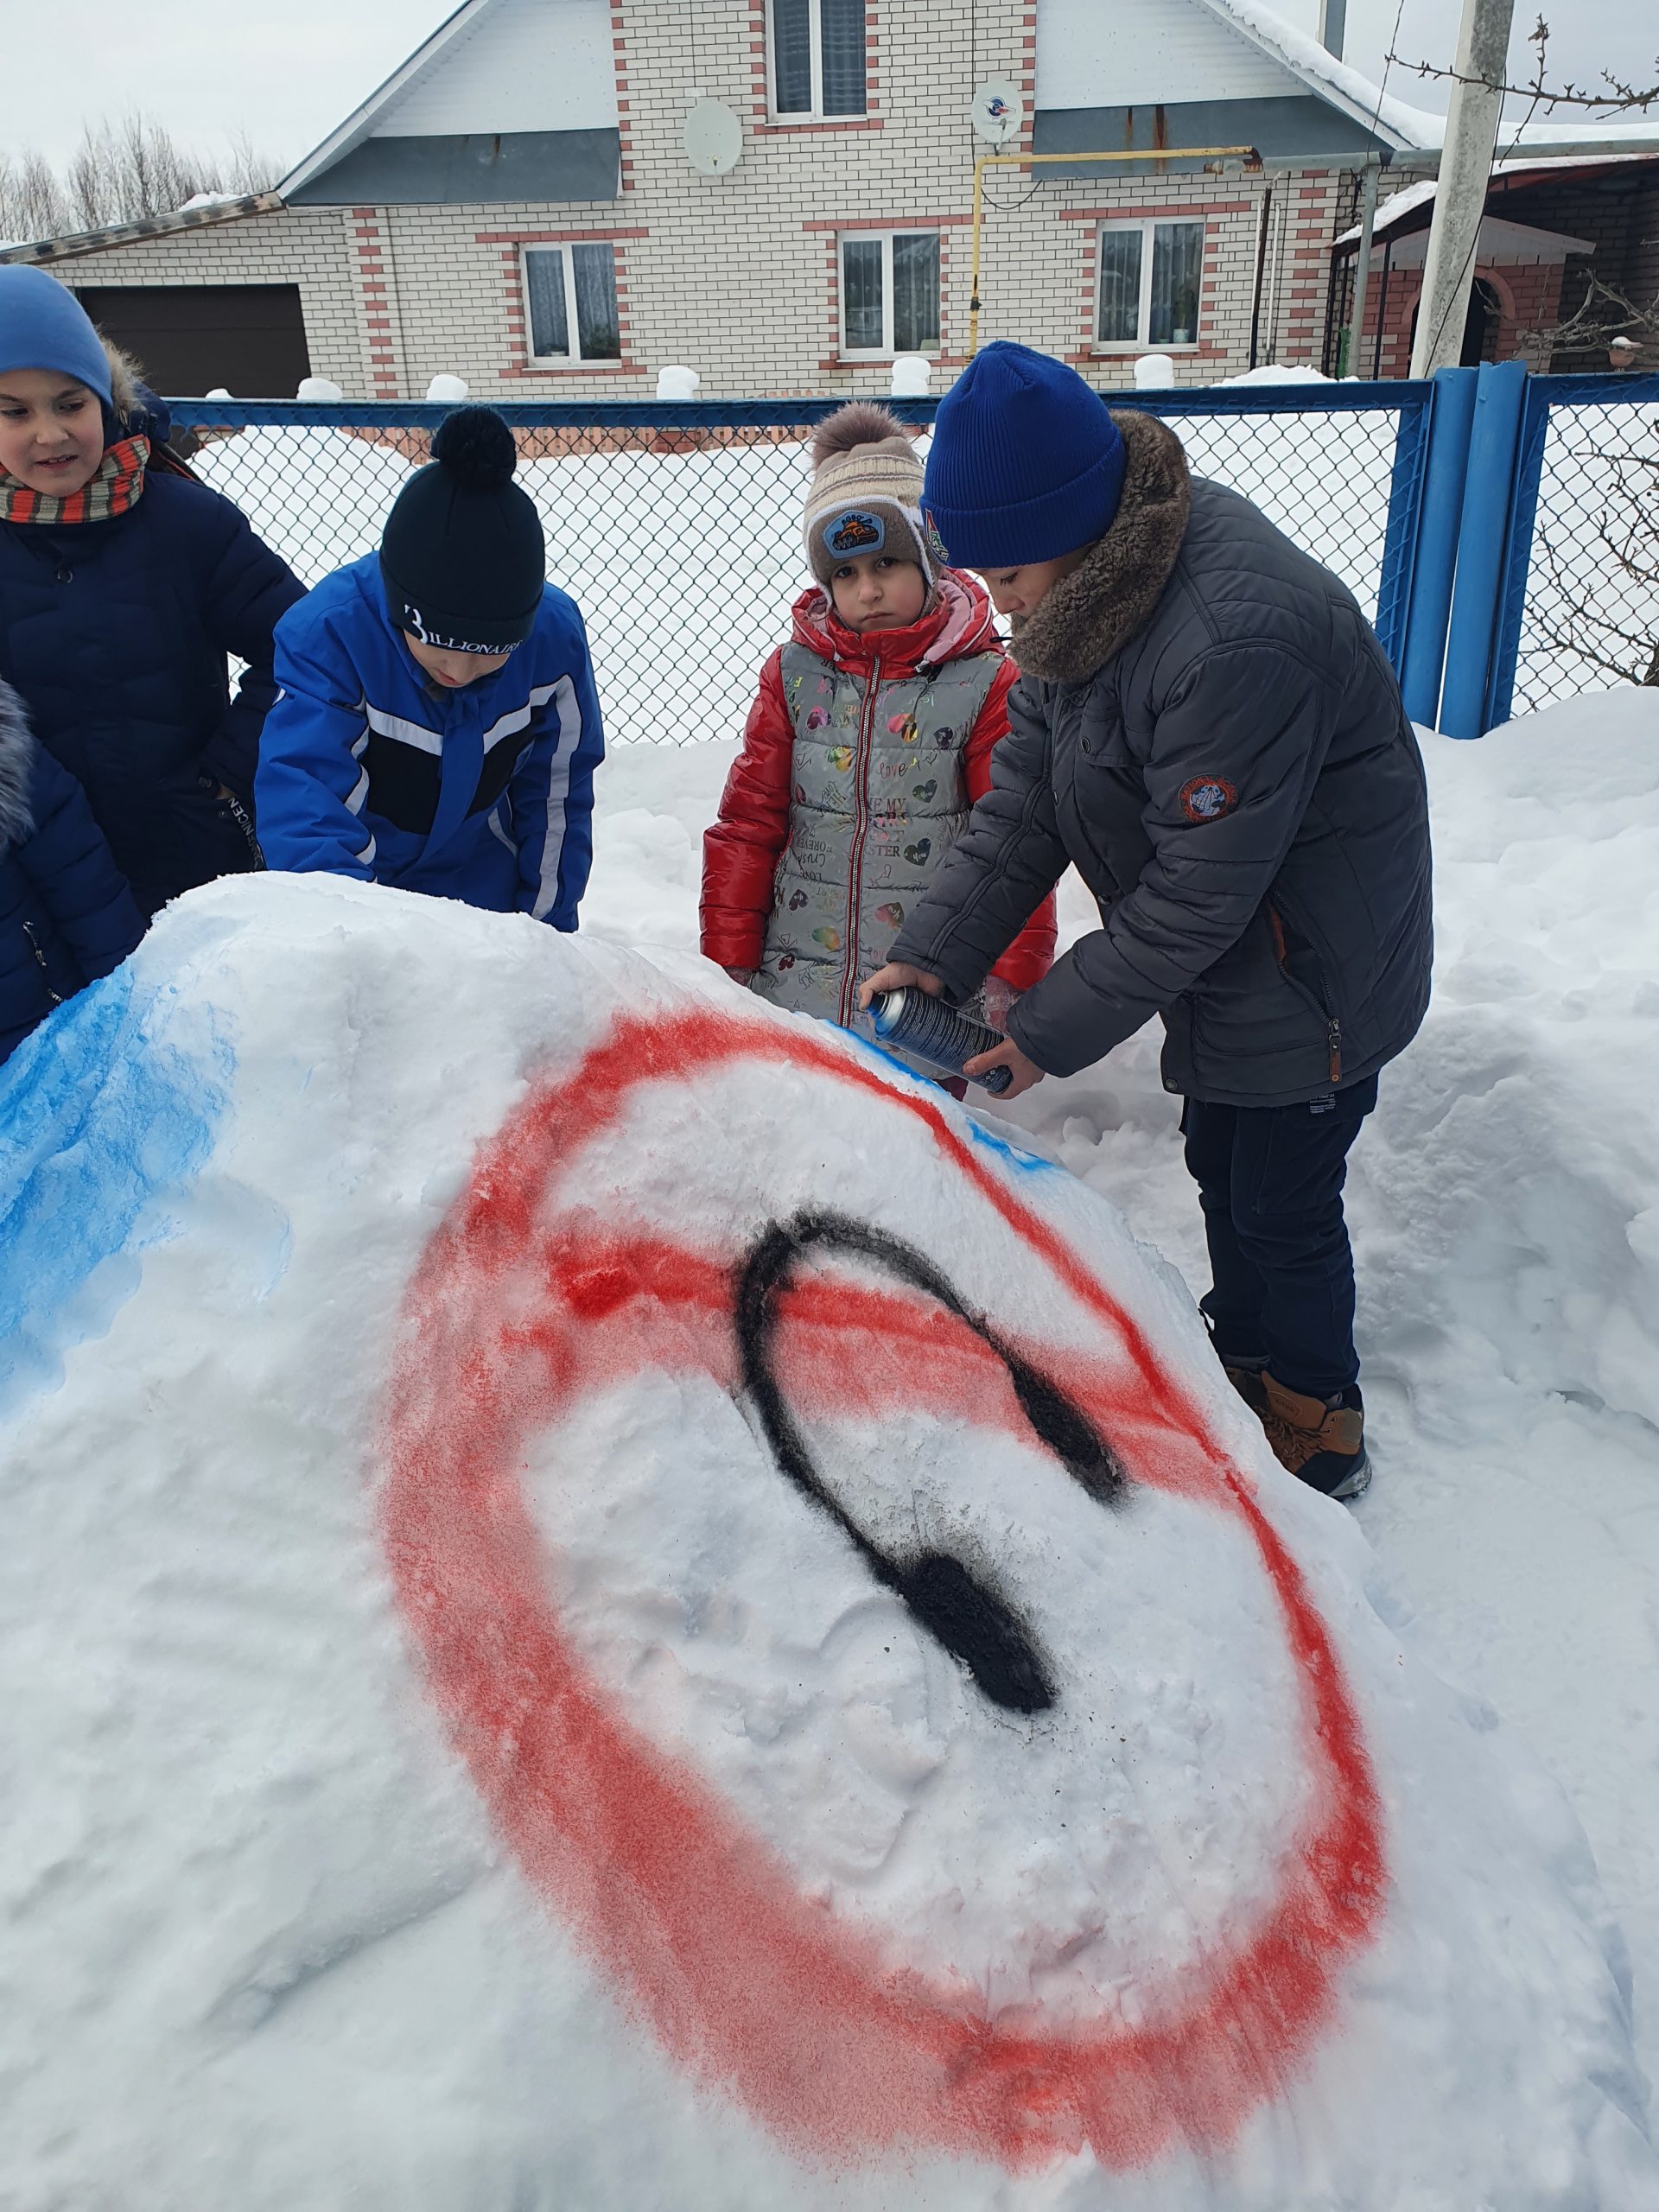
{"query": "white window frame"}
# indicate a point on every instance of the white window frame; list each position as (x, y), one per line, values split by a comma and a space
(575, 359)
(1141, 343)
(887, 350)
(815, 58)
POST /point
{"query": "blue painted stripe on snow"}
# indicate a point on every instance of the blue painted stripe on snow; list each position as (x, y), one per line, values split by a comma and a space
(97, 1119)
(1027, 1163)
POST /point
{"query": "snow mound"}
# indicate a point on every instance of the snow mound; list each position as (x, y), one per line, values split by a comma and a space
(609, 1602)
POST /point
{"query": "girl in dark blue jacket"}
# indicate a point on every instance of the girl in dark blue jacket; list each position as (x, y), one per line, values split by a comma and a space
(65, 916)
(436, 726)
(124, 585)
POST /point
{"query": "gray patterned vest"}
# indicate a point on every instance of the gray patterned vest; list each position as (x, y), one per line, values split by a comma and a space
(878, 797)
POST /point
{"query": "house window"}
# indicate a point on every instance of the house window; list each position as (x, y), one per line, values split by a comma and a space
(570, 291)
(890, 294)
(1147, 292)
(817, 49)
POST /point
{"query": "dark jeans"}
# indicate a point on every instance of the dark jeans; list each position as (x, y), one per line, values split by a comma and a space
(1270, 1181)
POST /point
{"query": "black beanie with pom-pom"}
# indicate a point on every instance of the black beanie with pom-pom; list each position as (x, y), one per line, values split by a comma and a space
(463, 559)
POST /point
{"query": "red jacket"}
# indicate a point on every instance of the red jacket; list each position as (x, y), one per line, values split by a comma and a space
(742, 848)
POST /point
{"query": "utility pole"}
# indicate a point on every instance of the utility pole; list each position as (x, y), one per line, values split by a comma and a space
(1471, 124)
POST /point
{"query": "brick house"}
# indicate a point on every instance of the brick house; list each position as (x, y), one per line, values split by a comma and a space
(516, 204)
(1547, 225)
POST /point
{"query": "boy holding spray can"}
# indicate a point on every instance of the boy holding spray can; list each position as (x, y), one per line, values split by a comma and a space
(1206, 727)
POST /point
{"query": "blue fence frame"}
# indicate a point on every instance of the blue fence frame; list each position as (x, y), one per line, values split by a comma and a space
(1462, 506)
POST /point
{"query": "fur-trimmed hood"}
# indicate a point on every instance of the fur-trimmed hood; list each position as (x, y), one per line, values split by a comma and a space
(1090, 615)
(16, 755)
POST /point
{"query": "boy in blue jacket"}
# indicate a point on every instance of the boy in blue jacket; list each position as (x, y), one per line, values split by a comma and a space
(436, 726)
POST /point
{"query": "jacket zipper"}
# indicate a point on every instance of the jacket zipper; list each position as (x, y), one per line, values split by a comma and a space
(1332, 1026)
(56, 997)
(860, 828)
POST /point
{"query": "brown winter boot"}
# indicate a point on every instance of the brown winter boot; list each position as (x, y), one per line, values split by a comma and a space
(1248, 1381)
(1321, 1441)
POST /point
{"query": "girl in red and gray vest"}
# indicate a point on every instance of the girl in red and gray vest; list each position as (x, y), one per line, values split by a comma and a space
(866, 748)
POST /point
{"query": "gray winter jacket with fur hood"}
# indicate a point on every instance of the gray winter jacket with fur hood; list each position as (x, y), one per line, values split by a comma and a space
(1207, 728)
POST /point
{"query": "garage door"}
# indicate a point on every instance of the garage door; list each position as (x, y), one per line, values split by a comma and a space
(192, 339)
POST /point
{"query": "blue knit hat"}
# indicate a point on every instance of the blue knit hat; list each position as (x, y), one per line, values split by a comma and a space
(43, 326)
(1026, 464)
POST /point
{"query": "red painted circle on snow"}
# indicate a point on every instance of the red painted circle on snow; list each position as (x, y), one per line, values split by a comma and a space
(697, 1920)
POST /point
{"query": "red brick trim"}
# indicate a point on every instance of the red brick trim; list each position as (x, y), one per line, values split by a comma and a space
(853, 223)
(833, 233)
(759, 104)
(372, 302)
(575, 369)
(772, 126)
(554, 237)
(623, 126)
(1027, 75)
(1171, 211)
(760, 92)
(1203, 345)
(523, 363)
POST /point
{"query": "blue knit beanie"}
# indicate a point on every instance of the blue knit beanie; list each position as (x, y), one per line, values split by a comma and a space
(43, 326)
(1026, 464)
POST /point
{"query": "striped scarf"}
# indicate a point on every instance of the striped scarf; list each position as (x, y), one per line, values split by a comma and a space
(117, 484)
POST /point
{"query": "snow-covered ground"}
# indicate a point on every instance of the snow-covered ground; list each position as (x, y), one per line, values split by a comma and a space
(458, 1762)
(1505, 1203)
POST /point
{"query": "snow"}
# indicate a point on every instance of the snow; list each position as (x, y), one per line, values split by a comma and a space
(1279, 372)
(1415, 128)
(1421, 193)
(321, 495)
(296, 1921)
(323, 392)
(447, 388)
(1154, 373)
(677, 381)
(1412, 126)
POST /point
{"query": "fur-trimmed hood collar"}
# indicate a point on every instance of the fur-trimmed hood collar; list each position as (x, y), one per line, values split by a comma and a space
(17, 749)
(1090, 615)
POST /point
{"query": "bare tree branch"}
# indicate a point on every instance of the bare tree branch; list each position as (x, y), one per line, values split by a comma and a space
(1619, 98)
(117, 174)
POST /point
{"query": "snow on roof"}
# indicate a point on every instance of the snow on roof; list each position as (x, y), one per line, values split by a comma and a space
(1395, 118)
(1415, 127)
(1420, 195)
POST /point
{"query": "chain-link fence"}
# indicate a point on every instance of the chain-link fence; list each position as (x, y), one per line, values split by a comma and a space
(677, 528)
(1591, 615)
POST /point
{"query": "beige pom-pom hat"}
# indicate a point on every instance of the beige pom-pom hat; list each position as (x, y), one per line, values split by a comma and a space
(867, 491)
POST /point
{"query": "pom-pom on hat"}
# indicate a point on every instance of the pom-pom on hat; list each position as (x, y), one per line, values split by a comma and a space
(1026, 464)
(43, 326)
(463, 559)
(866, 495)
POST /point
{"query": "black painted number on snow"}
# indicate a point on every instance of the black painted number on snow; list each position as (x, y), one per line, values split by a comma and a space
(969, 1618)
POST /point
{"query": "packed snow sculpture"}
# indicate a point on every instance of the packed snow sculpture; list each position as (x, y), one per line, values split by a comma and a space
(609, 1602)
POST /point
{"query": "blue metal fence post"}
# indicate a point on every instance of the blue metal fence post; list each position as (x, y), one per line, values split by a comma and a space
(1482, 539)
(1517, 552)
(1405, 514)
(1452, 413)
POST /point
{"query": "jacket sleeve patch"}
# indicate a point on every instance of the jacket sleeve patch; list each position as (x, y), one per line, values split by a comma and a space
(1206, 798)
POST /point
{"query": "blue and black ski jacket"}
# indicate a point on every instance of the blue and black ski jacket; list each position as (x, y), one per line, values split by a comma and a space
(367, 768)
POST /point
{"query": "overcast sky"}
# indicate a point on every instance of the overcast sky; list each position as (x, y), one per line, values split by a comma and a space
(287, 73)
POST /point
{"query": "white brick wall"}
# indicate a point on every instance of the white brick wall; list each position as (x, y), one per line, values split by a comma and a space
(736, 275)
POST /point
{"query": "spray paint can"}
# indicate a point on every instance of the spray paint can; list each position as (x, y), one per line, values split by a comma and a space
(914, 1022)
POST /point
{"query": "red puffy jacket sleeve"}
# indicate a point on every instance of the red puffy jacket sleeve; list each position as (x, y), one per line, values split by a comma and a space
(1031, 955)
(742, 847)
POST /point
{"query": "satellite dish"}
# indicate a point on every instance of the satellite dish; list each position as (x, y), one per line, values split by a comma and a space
(997, 112)
(713, 139)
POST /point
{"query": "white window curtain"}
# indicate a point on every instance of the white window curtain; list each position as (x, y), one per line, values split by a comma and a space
(571, 295)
